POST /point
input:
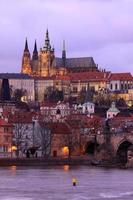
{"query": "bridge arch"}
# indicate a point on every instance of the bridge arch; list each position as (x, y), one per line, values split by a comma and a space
(91, 147)
(121, 152)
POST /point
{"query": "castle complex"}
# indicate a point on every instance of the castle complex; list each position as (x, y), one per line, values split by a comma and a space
(43, 71)
(45, 64)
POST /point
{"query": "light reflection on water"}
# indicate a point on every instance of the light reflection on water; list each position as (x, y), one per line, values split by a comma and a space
(55, 183)
(66, 167)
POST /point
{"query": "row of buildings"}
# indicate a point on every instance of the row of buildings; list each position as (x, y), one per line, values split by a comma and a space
(58, 130)
(72, 84)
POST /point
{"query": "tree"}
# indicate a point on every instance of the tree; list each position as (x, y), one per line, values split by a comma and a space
(53, 94)
(44, 138)
(21, 137)
(81, 96)
(104, 99)
(18, 94)
(5, 90)
(121, 103)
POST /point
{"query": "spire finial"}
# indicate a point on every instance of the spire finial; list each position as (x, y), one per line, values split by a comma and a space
(26, 45)
(64, 54)
(35, 47)
(35, 52)
(47, 40)
(64, 48)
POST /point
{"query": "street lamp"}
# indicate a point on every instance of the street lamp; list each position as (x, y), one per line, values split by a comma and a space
(13, 149)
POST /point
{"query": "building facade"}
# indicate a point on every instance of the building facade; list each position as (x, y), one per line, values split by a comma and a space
(22, 82)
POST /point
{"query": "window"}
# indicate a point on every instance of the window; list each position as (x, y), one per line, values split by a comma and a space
(121, 86)
(75, 89)
(6, 138)
(6, 129)
(83, 88)
(116, 87)
(125, 86)
(111, 86)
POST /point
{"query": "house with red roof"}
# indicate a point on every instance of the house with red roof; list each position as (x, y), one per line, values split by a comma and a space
(120, 82)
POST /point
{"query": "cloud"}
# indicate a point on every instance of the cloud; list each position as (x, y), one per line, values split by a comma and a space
(100, 28)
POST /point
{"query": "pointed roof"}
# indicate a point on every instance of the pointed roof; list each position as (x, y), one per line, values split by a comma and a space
(35, 48)
(26, 46)
(113, 108)
(64, 48)
(47, 41)
(35, 52)
(47, 35)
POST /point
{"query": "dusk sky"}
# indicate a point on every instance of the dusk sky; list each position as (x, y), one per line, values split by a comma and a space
(99, 28)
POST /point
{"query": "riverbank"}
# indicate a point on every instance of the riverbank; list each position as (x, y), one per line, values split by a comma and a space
(43, 161)
(77, 161)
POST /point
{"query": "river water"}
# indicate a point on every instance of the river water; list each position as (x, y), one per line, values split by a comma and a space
(55, 183)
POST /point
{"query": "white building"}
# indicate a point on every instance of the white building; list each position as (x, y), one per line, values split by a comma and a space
(112, 111)
(121, 82)
(53, 109)
(88, 108)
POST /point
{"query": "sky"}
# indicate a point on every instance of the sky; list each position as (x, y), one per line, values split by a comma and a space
(102, 29)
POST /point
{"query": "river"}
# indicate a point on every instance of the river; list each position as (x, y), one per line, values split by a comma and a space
(55, 183)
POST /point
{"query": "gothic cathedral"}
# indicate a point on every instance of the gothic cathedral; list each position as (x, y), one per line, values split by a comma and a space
(45, 64)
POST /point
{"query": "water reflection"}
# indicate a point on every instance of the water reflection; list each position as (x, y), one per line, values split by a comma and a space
(13, 169)
(66, 167)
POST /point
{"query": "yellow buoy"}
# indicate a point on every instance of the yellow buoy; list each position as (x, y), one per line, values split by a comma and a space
(74, 181)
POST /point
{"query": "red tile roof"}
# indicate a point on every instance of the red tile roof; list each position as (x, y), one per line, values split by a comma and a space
(3, 122)
(63, 78)
(96, 76)
(91, 76)
(22, 117)
(121, 77)
(60, 128)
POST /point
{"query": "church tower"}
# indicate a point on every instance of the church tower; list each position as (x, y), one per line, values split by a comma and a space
(26, 67)
(34, 62)
(46, 58)
(64, 54)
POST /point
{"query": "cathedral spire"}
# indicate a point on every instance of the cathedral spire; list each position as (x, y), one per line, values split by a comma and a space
(26, 45)
(35, 47)
(64, 48)
(64, 54)
(35, 52)
(47, 41)
(26, 67)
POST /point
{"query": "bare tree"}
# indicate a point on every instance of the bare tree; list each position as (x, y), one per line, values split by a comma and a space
(44, 138)
(21, 137)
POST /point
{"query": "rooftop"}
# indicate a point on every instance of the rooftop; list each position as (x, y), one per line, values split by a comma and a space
(87, 62)
(121, 76)
(15, 76)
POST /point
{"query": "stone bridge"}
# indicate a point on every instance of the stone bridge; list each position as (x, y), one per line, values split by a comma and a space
(116, 144)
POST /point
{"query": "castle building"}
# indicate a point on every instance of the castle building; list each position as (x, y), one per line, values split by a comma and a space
(45, 64)
(19, 81)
